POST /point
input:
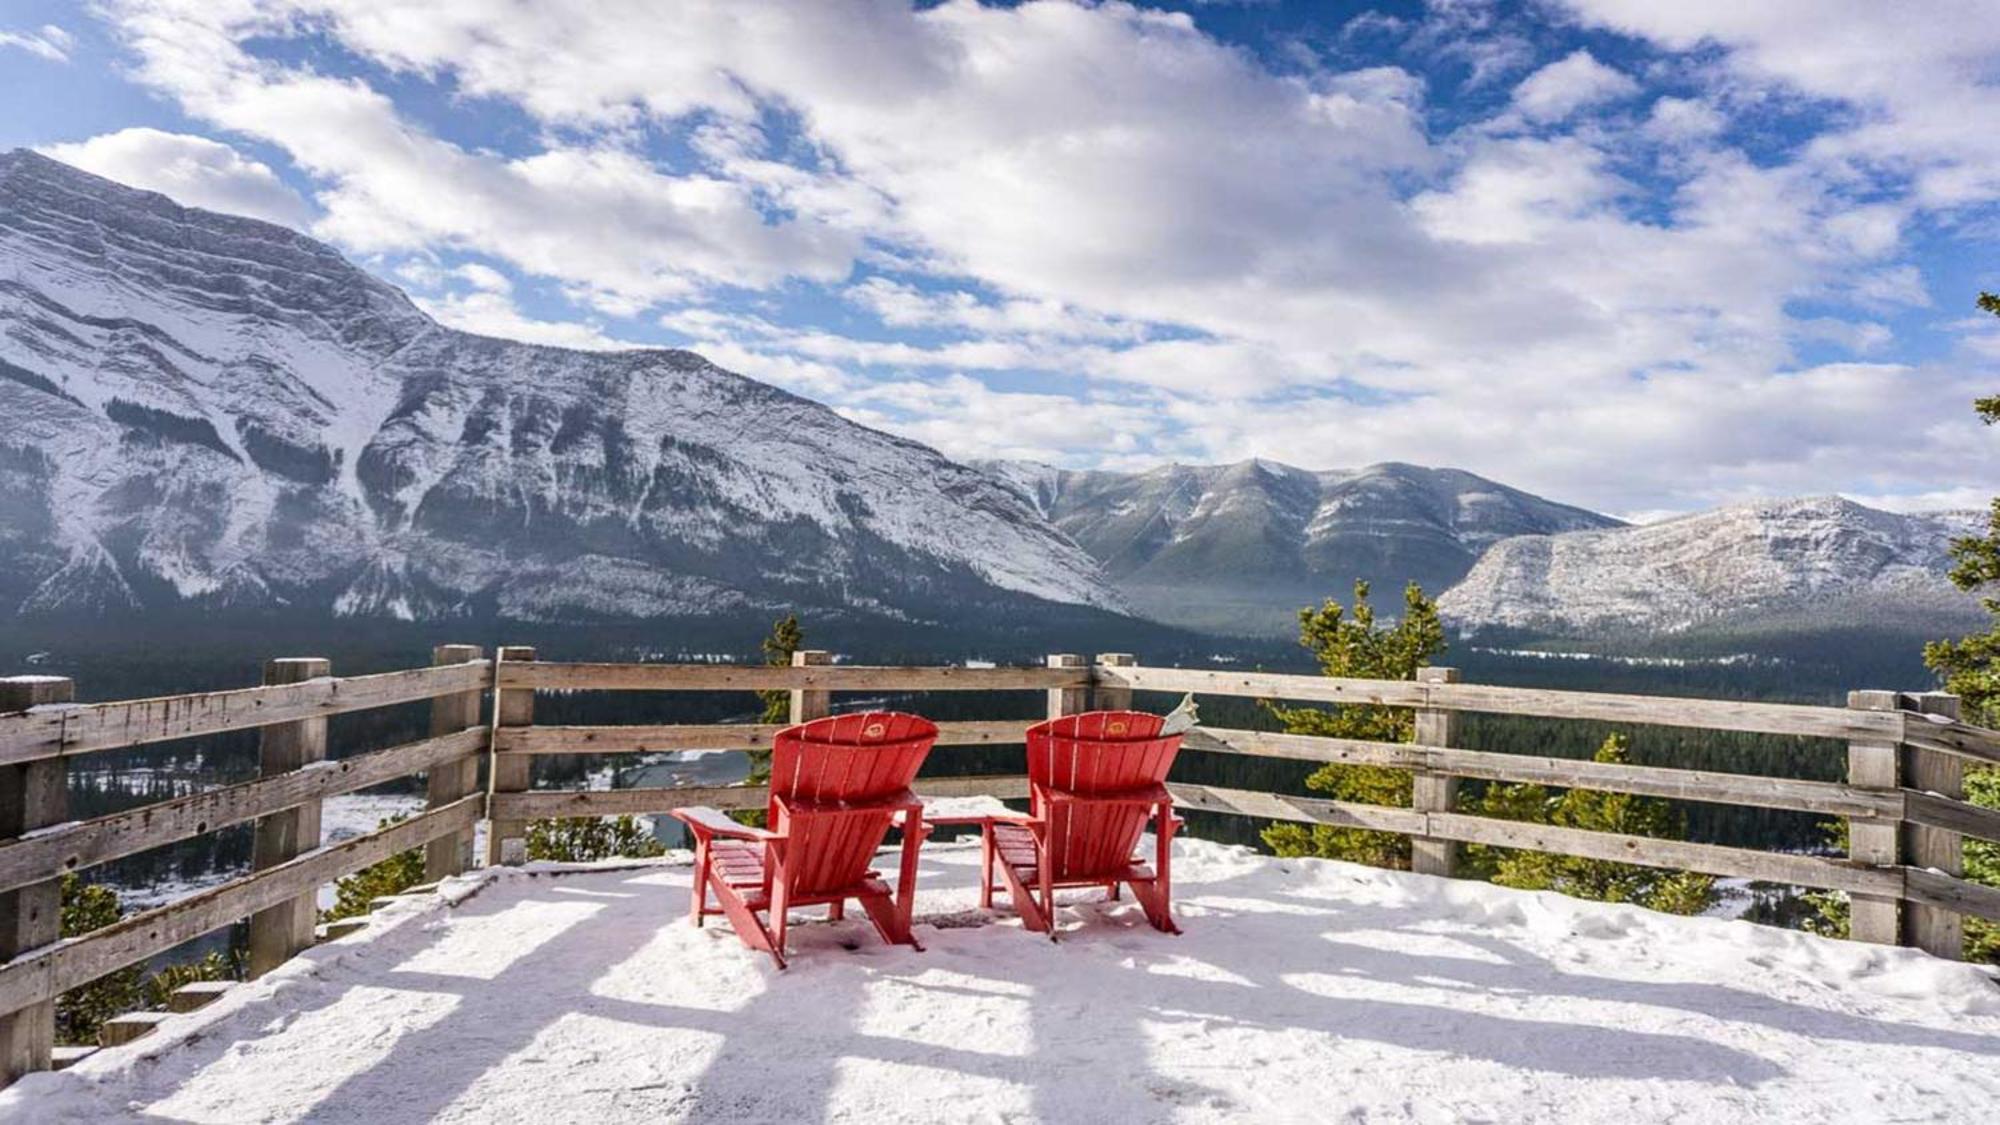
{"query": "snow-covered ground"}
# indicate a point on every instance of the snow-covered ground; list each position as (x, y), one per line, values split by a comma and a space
(1302, 991)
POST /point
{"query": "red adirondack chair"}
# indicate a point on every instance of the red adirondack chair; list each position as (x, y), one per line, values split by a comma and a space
(1094, 780)
(836, 786)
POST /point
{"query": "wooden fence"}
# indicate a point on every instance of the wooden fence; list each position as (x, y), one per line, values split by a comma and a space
(1903, 800)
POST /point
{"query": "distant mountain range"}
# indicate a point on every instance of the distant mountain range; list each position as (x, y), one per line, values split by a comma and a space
(209, 412)
(213, 415)
(1239, 548)
(1781, 565)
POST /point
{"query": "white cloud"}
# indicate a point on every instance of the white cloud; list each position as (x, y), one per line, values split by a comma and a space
(488, 312)
(191, 170)
(1922, 78)
(1219, 259)
(1563, 87)
(1684, 120)
(47, 42)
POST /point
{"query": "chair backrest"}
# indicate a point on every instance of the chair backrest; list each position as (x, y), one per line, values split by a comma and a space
(856, 758)
(1095, 752)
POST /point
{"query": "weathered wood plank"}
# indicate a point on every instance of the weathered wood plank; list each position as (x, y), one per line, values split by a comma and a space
(1938, 932)
(1939, 891)
(452, 781)
(1067, 700)
(1266, 685)
(1770, 718)
(636, 739)
(45, 973)
(1567, 773)
(129, 1027)
(653, 799)
(106, 726)
(1962, 817)
(1433, 789)
(1305, 747)
(279, 932)
(33, 796)
(1108, 696)
(1710, 859)
(752, 677)
(1308, 810)
(507, 840)
(196, 995)
(87, 843)
(1875, 763)
(1948, 736)
(1809, 871)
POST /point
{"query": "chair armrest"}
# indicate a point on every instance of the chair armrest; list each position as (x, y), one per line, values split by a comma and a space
(706, 822)
(1017, 819)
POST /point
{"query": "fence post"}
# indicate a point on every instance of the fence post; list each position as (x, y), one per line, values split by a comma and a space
(507, 840)
(1877, 840)
(279, 932)
(811, 703)
(1434, 792)
(450, 781)
(1067, 701)
(32, 795)
(1938, 932)
(1110, 696)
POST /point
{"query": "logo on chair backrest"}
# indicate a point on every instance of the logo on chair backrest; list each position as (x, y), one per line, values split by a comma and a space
(1115, 727)
(874, 730)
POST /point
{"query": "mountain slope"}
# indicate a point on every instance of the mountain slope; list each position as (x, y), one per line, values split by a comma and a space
(204, 410)
(1240, 547)
(1789, 564)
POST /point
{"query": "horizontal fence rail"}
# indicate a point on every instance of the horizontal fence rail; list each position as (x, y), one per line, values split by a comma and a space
(1765, 718)
(827, 677)
(65, 730)
(1903, 799)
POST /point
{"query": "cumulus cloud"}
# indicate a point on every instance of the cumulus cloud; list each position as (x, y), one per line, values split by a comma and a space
(1563, 87)
(1010, 221)
(195, 171)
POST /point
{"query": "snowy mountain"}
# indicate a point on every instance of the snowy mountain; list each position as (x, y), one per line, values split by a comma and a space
(199, 410)
(1240, 547)
(1791, 563)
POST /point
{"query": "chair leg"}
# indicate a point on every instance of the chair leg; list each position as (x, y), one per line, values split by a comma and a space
(781, 904)
(890, 921)
(1032, 917)
(1045, 872)
(914, 834)
(986, 867)
(836, 911)
(698, 896)
(749, 928)
(1156, 894)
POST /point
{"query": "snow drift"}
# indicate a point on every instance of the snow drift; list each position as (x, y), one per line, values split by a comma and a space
(1302, 991)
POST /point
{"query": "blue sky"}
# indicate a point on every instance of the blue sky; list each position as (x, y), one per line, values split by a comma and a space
(1639, 256)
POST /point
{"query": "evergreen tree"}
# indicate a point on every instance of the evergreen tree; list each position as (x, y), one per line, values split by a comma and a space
(1970, 667)
(392, 876)
(786, 638)
(81, 1011)
(586, 839)
(1352, 643)
(1675, 892)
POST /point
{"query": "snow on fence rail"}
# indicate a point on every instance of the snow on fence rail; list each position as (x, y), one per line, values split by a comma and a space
(1902, 800)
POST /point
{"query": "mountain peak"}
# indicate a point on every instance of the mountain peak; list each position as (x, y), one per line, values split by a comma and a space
(1239, 547)
(202, 409)
(1761, 559)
